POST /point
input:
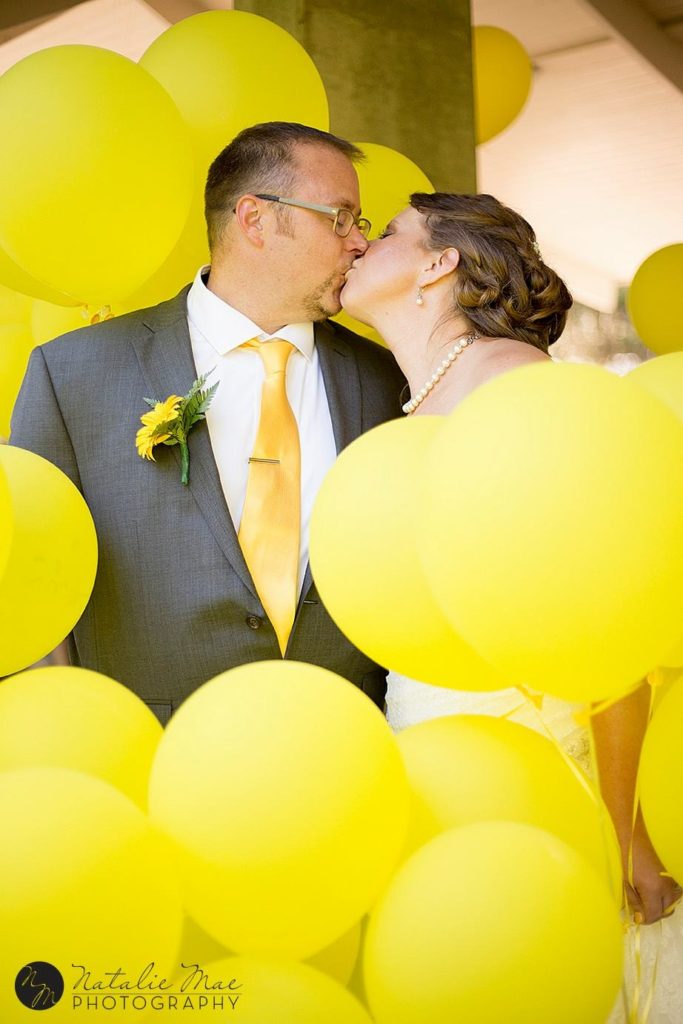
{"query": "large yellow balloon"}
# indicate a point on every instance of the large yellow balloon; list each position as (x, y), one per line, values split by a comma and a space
(16, 342)
(5, 520)
(502, 79)
(264, 990)
(15, 308)
(86, 880)
(284, 788)
(96, 175)
(14, 277)
(256, 69)
(70, 717)
(468, 768)
(189, 254)
(365, 564)
(494, 922)
(663, 377)
(651, 301)
(51, 562)
(553, 517)
(674, 657)
(661, 779)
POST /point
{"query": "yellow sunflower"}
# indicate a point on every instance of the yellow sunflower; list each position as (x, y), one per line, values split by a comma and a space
(152, 433)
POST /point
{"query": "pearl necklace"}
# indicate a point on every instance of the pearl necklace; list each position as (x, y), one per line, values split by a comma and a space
(460, 345)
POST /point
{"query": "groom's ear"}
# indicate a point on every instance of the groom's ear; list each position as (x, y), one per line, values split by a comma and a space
(248, 219)
(445, 263)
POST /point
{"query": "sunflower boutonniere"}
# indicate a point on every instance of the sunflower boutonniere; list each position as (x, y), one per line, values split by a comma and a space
(171, 421)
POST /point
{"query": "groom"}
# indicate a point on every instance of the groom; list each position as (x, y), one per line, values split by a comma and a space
(193, 580)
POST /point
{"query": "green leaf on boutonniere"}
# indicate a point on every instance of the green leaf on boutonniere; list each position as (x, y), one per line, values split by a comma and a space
(170, 422)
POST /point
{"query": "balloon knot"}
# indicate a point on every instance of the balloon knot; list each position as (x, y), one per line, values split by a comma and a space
(104, 313)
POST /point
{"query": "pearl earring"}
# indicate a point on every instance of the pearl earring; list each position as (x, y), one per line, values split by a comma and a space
(420, 300)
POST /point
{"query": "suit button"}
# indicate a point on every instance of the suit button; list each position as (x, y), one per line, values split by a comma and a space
(254, 622)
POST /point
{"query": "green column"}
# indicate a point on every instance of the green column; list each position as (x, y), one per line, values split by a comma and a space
(397, 72)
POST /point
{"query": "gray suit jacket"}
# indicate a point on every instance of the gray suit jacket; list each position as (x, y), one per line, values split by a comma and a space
(173, 603)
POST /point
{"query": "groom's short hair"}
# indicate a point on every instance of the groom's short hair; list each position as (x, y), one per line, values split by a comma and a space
(261, 159)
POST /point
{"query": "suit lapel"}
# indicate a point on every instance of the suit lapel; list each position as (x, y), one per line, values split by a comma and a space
(342, 384)
(167, 364)
(343, 389)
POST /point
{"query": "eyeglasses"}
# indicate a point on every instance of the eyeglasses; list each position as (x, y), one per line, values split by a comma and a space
(344, 219)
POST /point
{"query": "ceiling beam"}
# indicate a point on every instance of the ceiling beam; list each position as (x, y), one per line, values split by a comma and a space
(176, 10)
(629, 20)
(16, 16)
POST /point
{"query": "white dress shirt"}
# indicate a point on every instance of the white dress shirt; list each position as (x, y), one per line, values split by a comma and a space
(216, 332)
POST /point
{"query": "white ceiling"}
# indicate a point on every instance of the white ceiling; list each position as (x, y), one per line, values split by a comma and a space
(127, 26)
(595, 160)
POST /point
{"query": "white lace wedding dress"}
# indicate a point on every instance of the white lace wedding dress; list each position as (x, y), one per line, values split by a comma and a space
(661, 944)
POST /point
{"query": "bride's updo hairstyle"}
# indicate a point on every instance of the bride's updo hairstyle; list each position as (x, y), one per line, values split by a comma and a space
(501, 285)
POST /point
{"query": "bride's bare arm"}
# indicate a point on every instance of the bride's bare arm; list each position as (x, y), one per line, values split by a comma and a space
(618, 733)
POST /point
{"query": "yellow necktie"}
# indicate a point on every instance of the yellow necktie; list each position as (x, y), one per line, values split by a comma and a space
(271, 519)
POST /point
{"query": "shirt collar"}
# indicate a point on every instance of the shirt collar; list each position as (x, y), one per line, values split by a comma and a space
(225, 328)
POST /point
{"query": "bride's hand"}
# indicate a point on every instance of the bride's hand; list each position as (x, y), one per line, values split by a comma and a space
(653, 894)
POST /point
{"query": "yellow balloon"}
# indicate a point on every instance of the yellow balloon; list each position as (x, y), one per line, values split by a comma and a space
(663, 377)
(189, 254)
(662, 679)
(262, 990)
(289, 824)
(95, 188)
(51, 563)
(86, 881)
(16, 343)
(15, 278)
(387, 179)
(502, 79)
(496, 921)
(674, 657)
(661, 779)
(468, 768)
(364, 559)
(654, 313)
(5, 520)
(69, 717)
(15, 308)
(553, 512)
(213, 54)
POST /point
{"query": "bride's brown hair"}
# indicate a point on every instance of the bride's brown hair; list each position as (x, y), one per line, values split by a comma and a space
(501, 285)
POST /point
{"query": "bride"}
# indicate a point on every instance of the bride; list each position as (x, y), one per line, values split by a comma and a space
(457, 288)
